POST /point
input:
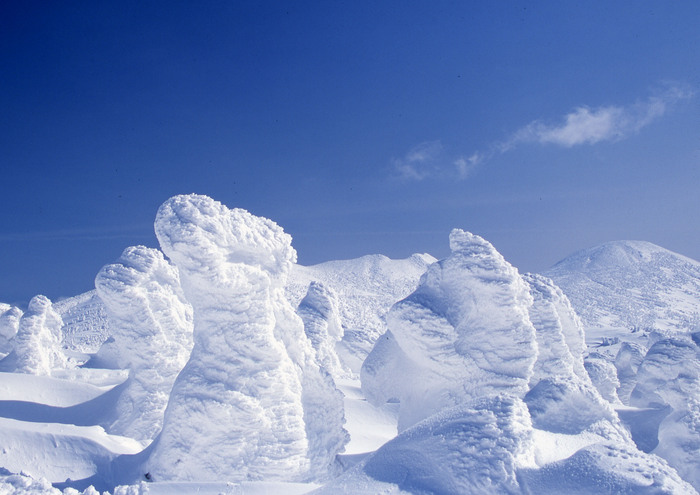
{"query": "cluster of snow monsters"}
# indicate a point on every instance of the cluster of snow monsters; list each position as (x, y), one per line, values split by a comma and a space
(484, 360)
(229, 381)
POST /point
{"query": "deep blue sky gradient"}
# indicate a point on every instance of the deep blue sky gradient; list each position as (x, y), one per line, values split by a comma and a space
(303, 112)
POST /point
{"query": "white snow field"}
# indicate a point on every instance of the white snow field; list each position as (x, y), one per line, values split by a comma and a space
(217, 365)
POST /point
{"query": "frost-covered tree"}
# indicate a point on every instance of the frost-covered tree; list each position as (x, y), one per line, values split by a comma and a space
(150, 325)
(237, 410)
(463, 334)
(37, 348)
(562, 397)
(319, 312)
(9, 323)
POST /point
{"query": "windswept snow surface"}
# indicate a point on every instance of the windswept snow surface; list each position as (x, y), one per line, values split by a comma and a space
(463, 334)
(150, 325)
(237, 410)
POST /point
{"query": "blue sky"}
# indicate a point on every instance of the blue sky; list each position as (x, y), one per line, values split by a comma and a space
(360, 127)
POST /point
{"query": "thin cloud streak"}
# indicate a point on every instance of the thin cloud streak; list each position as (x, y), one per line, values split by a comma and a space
(590, 126)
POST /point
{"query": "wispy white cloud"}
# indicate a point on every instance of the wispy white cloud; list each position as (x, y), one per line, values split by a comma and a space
(420, 162)
(582, 126)
(585, 125)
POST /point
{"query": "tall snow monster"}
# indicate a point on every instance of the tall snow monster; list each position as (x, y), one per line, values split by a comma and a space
(241, 407)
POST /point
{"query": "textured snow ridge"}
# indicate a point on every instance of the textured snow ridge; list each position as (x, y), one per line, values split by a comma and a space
(561, 397)
(463, 334)
(236, 411)
(9, 323)
(631, 284)
(37, 345)
(669, 376)
(150, 324)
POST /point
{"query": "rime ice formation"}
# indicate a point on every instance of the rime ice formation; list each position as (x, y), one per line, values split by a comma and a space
(319, 312)
(237, 409)
(627, 362)
(9, 323)
(561, 397)
(669, 377)
(464, 334)
(37, 345)
(150, 324)
(84, 322)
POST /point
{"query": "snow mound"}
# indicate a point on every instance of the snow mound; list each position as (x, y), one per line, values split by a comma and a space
(632, 284)
(150, 325)
(366, 288)
(37, 344)
(463, 334)
(605, 467)
(472, 449)
(57, 452)
(237, 409)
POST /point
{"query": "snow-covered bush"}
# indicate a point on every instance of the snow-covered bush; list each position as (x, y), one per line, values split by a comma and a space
(150, 324)
(237, 410)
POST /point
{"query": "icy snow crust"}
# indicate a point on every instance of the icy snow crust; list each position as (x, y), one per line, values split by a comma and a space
(476, 381)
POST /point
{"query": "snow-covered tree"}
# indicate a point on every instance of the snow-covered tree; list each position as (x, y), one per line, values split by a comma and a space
(37, 348)
(150, 324)
(237, 410)
(463, 334)
(9, 323)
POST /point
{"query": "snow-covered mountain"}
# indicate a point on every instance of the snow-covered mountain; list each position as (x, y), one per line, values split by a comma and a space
(474, 378)
(632, 284)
